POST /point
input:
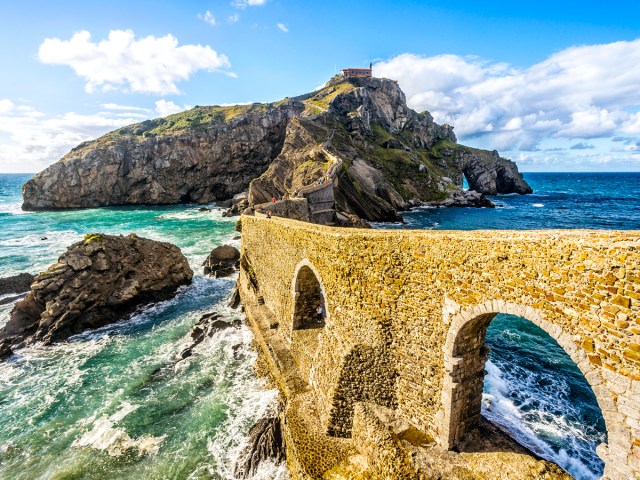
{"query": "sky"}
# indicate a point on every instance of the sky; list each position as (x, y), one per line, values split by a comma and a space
(553, 85)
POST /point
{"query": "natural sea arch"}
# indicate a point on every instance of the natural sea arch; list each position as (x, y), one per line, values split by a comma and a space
(470, 370)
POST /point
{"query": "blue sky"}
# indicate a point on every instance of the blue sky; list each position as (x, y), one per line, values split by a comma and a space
(552, 85)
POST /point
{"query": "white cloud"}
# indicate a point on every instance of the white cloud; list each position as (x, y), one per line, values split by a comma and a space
(6, 105)
(234, 18)
(208, 17)
(31, 140)
(122, 62)
(128, 108)
(167, 107)
(282, 27)
(581, 92)
(248, 3)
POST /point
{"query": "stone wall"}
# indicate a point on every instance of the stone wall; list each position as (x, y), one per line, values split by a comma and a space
(321, 203)
(294, 208)
(413, 307)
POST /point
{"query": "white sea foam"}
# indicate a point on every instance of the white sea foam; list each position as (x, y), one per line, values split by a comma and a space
(537, 205)
(529, 420)
(250, 403)
(193, 213)
(13, 209)
(115, 441)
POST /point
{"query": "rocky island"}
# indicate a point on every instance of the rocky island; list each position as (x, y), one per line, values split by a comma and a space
(355, 135)
(96, 282)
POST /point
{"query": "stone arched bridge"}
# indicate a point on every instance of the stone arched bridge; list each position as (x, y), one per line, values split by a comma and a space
(397, 318)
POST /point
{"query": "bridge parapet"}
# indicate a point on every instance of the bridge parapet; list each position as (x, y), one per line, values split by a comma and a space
(407, 312)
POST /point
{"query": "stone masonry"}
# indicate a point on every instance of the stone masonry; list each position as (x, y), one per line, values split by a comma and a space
(406, 314)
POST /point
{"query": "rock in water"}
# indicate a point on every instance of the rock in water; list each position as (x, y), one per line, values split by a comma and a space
(234, 300)
(265, 442)
(464, 198)
(222, 261)
(96, 282)
(16, 284)
(207, 326)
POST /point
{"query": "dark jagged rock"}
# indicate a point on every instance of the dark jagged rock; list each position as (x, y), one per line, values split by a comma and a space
(234, 299)
(356, 134)
(239, 203)
(265, 442)
(464, 198)
(16, 284)
(205, 327)
(96, 282)
(490, 174)
(5, 349)
(222, 261)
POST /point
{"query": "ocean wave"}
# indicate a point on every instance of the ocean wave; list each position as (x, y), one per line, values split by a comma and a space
(534, 410)
(108, 391)
(116, 441)
(13, 209)
(214, 213)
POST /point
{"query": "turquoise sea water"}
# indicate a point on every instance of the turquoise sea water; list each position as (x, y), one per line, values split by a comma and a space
(111, 405)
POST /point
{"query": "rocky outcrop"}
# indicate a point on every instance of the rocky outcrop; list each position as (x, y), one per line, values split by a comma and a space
(464, 198)
(205, 327)
(266, 442)
(239, 203)
(16, 284)
(222, 261)
(14, 287)
(355, 133)
(96, 282)
(380, 156)
(202, 155)
(489, 173)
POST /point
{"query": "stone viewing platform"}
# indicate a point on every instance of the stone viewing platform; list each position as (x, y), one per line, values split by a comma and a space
(385, 379)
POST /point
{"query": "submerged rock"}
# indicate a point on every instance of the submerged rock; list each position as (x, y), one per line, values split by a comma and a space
(222, 261)
(96, 282)
(265, 442)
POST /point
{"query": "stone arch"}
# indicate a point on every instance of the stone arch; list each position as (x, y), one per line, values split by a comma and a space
(306, 325)
(465, 355)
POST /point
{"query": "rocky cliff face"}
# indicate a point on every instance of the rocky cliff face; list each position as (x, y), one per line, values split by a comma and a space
(385, 157)
(96, 282)
(203, 155)
(381, 156)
